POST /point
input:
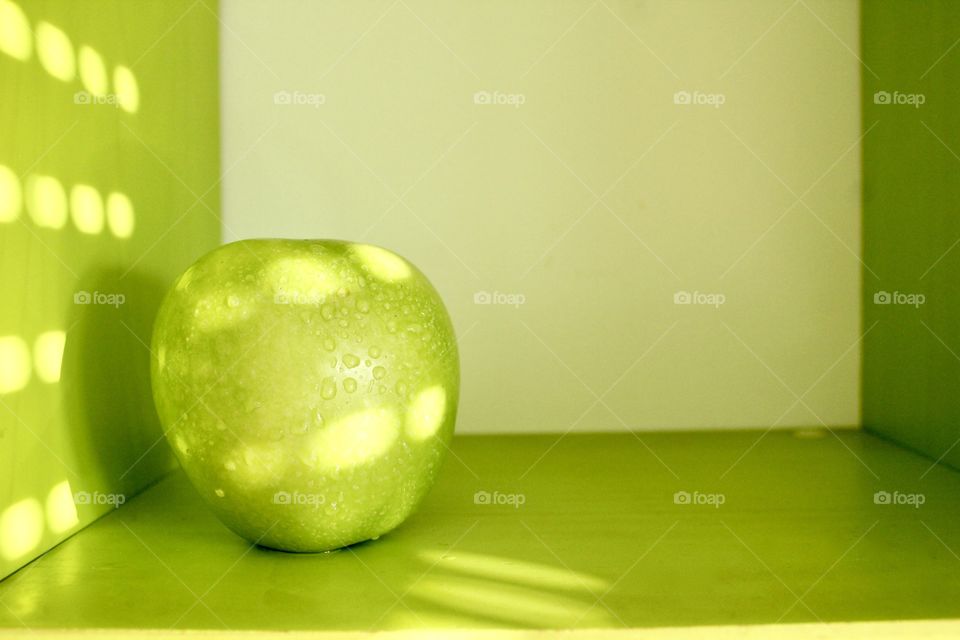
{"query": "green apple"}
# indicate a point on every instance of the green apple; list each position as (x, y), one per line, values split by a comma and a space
(308, 387)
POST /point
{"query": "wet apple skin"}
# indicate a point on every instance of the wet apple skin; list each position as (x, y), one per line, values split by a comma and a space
(309, 388)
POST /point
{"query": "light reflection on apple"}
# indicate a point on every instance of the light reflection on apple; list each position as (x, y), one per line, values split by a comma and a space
(309, 388)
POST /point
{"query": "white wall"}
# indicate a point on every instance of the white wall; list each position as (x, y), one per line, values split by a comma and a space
(597, 199)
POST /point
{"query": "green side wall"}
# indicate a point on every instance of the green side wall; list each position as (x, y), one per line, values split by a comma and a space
(93, 426)
(911, 356)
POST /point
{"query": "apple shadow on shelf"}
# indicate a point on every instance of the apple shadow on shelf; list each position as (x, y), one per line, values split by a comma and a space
(113, 425)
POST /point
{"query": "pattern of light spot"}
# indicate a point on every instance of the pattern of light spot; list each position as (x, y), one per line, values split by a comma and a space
(14, 364)
(21, 527)
(11, 200)
(93, 73)
(125, 86)
(120, 217)
(86, 208)
(55, 52)
(46, 202)
(383, 264)
(426, 413)
(48, 355)
(61, 508)
(15, 38)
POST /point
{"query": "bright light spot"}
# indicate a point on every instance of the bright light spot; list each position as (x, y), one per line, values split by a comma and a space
(426, 413)
(120, 217)
(21, 527)
(11, 200)
(55, 52)
(180, 444)
(125, 86)
(15, 38)
(512, 604)
(516, 571)
(48, 355)
(354, 440)
(86, 205)
(93, 73)
(184, 282)
(300, 280)
(382, 263)
(46, 201)
(257, 465)
(14, 364)
(61, 509)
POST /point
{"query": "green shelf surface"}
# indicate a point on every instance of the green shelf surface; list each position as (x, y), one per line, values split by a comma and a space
(589, 534)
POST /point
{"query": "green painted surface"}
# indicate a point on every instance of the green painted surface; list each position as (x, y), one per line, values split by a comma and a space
(82, 429)
(595, 540)
(911, 356)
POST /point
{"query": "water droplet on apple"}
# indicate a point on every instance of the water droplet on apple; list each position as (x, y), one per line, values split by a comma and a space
(363, 306)
(349, 385)
(230, 465)
(329, 343)
(300, 429)
(350, 361)
(328, 389)
(327, 312)
(233, 301)
(375, 352)
(379, 372)
(219, 493)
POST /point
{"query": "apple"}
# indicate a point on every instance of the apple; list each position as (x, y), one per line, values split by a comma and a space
(309, 388)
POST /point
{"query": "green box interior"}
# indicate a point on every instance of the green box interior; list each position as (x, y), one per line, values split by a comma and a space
(600, 542)
(93, 425)
(911, 366)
